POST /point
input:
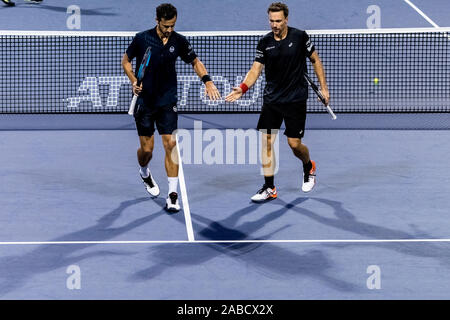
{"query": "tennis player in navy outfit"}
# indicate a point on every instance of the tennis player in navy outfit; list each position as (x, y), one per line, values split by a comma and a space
(283, 54)
(157, 100)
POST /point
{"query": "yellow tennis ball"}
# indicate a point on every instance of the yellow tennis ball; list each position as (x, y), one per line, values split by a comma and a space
(375, 80)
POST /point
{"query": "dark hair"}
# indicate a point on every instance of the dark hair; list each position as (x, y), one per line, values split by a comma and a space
(278, 6)
(165, 11)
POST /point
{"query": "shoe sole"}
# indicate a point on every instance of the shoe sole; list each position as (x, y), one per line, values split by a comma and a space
(172, 210)
(265, 200)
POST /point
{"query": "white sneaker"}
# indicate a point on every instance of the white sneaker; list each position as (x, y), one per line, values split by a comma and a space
(264, 194)
(151, 185)
(309, 179)
(172, 203)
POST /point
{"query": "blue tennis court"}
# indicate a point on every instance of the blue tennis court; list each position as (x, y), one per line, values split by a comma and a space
(73, 197)
(77, 223)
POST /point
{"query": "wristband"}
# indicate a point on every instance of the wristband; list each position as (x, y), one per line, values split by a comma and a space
(244, 87)
(206, 78)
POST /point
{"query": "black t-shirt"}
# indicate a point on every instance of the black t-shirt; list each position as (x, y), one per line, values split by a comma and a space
(160, 79)
(285, 64)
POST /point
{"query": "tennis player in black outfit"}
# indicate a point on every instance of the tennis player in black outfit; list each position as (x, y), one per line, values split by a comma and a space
(158, 94)
(283, 53)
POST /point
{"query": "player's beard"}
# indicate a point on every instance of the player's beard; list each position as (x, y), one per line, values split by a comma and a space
(278, 31)
(165, 34)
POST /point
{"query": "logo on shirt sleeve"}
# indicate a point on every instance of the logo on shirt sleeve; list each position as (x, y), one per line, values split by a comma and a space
(309, 45)
(259, 54)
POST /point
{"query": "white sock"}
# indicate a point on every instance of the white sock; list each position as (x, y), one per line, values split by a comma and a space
(144, 171)
(173, 184)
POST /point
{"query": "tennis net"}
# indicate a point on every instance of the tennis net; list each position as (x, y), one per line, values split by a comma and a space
(80, 72)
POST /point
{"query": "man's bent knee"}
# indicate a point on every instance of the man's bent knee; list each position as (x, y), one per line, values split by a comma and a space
(294, 143)
(169, 143)
(147, 143)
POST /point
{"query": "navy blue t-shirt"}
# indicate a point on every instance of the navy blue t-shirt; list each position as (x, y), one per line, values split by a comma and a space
(285, 62)
(160, 79)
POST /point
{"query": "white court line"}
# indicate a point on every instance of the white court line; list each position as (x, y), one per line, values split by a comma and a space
(184, 198)
(422, 13)
(223, 241)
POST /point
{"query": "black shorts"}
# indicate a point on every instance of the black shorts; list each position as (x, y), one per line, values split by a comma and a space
(293, 114)
(165, 118)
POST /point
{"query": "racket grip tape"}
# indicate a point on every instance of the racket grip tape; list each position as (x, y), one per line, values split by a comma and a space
(132, 105)
(330, 111)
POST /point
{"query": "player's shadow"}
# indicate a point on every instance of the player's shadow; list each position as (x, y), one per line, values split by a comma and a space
(271, 260)
(347, 221)
(16, 270)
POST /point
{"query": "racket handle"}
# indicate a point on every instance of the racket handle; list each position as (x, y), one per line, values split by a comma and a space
(333, 116)
(132, 105)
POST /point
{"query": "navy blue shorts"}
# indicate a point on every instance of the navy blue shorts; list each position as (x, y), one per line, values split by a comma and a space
(165, 118)
(293, 114)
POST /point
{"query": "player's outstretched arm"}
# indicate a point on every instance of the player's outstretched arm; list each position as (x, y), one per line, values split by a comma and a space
(250, 79)
(210, 88)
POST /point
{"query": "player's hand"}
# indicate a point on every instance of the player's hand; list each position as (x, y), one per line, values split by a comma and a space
(137, 89)
(326, 95)
(211, 91)
(234, 95)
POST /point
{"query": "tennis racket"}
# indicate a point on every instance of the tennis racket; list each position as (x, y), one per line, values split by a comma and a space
(319, 94)
(140, 76)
